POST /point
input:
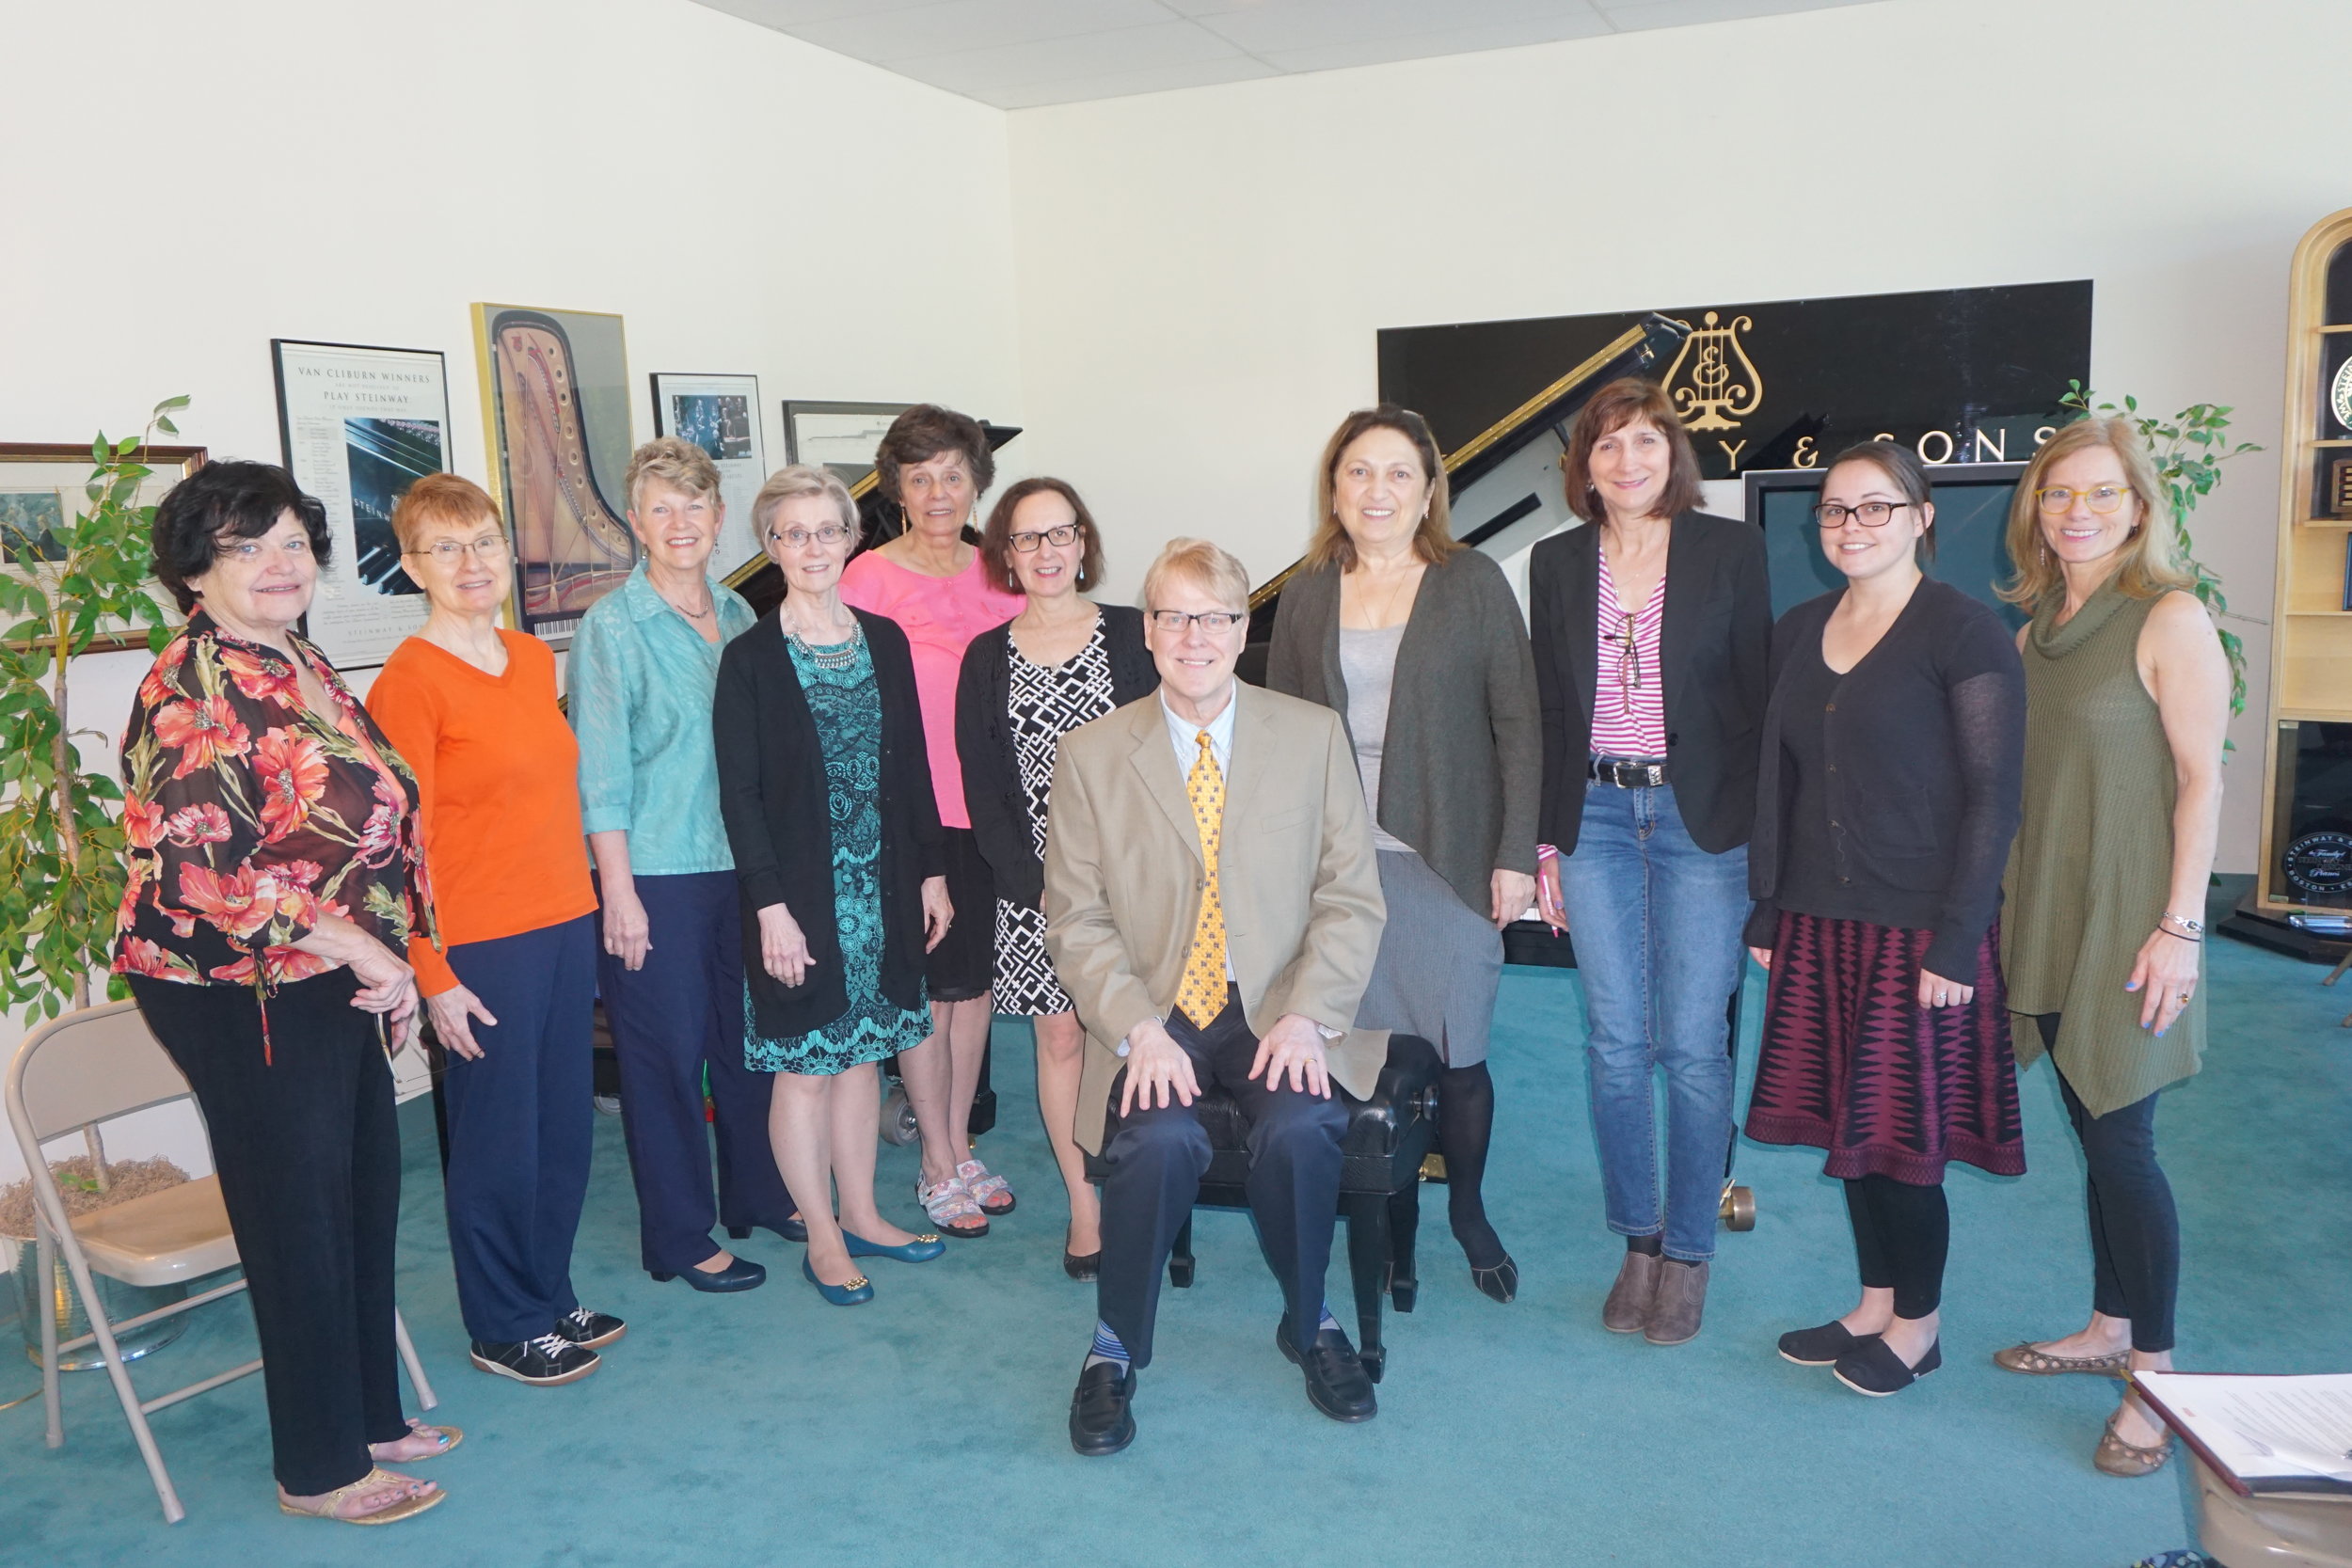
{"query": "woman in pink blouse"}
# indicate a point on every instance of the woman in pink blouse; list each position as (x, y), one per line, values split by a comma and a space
(935, 463)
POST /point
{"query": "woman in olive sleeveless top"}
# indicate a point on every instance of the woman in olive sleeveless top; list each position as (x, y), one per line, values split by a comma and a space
(2127, 694)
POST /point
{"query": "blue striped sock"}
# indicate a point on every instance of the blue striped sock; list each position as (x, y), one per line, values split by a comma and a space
(1106, 1346)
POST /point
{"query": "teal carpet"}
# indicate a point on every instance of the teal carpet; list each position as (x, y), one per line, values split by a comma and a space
(928, 1428)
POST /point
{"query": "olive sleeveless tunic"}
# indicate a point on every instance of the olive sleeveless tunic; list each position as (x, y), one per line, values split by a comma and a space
(2092, 869)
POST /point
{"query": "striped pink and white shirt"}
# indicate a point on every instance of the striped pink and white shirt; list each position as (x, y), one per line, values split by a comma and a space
(1629, 697)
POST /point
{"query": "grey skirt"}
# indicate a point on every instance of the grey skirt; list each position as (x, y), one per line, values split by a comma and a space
(1440, 965)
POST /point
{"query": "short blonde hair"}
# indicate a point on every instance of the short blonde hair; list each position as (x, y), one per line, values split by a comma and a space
(1205, 567)
(2151, 566)
(803, 479)
(439, 501)
(673, 460)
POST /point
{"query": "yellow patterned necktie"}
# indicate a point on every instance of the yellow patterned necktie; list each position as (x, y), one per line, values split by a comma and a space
(1202, 996)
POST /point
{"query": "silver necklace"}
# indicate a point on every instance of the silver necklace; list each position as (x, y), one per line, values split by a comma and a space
(833, 657)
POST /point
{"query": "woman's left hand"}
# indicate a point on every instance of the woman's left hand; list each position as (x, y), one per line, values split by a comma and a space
(2165, 974)
(1936, 992)
(1514, 895)
(938, 913)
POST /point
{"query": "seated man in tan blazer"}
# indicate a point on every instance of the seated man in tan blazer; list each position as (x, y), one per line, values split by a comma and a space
(1213, 907)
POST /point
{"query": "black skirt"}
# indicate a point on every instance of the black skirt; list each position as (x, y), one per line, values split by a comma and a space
(963, 964)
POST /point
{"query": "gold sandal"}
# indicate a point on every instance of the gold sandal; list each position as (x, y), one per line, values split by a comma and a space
(451, 1437)
(2115, 1457)
(374, 1479)
(2035, 1362)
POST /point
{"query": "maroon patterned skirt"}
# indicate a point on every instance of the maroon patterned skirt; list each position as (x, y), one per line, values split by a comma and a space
(1851, 1062)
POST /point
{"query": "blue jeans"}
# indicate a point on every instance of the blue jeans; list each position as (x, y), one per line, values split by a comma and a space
(1657, 924)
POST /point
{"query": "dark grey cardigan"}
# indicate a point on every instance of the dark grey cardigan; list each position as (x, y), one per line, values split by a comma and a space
(1462, 766)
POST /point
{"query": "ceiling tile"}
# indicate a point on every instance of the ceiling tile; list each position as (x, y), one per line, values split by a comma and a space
(1632, 15)
(1079, 90)
(1013, 65)
(1321, 24)
(789, 16)
(949, 27)
(1383, 51)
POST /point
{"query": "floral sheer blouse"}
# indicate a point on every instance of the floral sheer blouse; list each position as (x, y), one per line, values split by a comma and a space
(247, 815)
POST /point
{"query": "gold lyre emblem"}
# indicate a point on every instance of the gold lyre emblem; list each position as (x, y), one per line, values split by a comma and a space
(1722, 379)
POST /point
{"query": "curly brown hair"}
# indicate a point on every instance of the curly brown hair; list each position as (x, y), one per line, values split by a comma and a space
(923, 432)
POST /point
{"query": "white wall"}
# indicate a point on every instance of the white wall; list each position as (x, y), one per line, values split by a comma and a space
(1203, 272)
(181, 183)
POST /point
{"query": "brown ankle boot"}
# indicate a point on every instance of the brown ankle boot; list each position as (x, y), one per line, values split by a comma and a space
(1674, 1316)
(1627, 1308)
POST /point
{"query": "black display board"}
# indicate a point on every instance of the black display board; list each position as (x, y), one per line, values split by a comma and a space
(1971, 501)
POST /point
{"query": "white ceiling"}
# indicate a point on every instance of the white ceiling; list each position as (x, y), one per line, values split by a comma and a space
(1020, 53)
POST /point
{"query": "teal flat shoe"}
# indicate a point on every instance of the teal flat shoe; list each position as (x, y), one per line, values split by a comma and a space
(920, 1250)
(858, 1291)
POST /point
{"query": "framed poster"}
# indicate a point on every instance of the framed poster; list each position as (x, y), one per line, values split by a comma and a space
(358, 425)
(721, 415)
(41, 490)
(555, 405)
(841, 436)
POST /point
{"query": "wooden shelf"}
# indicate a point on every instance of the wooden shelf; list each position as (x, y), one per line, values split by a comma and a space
(2334, 326)
(2326, 522)
(2339, 614)
(2331, 441)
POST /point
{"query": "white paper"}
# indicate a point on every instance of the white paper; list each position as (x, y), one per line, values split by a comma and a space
(721, 415)
(2265, 1428)
(840, 440)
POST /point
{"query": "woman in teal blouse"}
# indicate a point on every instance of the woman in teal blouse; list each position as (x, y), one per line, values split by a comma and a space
(644, 665)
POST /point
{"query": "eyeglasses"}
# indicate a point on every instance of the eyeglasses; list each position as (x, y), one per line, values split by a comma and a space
(828, 536)
(1869, 513)
(1628, 663)
(446, 551)
(1025, 542)
(1207, 620)
(2057, 499)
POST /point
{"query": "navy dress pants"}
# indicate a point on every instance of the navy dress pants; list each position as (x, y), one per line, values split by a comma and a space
(1156, 1158)
(518, 1129)
(672, 1021)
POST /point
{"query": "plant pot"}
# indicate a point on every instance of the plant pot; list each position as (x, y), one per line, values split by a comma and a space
(59, 1300)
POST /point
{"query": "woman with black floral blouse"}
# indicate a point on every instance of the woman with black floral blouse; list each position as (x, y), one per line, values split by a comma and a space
(275, 875)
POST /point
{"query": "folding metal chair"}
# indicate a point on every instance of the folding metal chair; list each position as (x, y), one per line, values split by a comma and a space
(69, 1076)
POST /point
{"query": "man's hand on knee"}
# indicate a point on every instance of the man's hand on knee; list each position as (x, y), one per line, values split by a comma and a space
(1159, 1072)
(1294, 1047)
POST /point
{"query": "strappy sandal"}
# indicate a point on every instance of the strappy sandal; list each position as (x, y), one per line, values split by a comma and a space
(952, 1209)
(2115, 1457)
(2035, 1362)
(450, 1437)
(375, 1480)
(985, 1185)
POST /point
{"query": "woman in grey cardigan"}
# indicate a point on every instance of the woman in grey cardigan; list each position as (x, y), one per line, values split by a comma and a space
(1418, 644)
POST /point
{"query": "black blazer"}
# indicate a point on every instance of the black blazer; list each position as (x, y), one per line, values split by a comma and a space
(776, 803)
(992, 768)
(1715, 645)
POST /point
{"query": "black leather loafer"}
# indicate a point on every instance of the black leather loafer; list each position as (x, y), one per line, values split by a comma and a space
(1101, 1419)
(741, 1275)
(1822, 1346)
(1870, 1367)
(1336, 1383)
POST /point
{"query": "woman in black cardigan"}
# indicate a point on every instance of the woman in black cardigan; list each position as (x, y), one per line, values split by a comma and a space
(1894, 746)
(1063, 661)
(824, 782)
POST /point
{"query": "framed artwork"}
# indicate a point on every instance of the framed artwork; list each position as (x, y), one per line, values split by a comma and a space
(841, 436)
(555, 405)
(721, 415)
(358, 425)
(41, 491)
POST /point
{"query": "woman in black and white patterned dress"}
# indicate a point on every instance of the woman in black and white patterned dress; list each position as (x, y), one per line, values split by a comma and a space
(1062, 662)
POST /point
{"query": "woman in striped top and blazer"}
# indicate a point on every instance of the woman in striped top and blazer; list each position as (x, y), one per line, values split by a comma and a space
(1651, 629)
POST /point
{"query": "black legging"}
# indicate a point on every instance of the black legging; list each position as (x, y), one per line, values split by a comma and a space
(2134, 1228)
(1901, 1234)
(1465, 1124)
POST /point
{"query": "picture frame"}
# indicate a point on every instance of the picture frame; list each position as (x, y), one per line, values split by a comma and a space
(358, 425)
(840, 435)
(721, 415)
(41, 486)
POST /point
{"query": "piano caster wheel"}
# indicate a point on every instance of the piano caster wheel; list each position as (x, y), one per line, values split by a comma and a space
(1739, 1208)
(1180, 1273)
(1403, 1293)
(897, 1119)
(1376, 1362)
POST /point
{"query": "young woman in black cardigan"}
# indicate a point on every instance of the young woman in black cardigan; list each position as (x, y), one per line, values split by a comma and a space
(1887, 795)
(824, 780)
(1063, 661)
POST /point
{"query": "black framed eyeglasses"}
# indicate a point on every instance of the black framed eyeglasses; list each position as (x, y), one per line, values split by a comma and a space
(1207, 620)
(1869, 513)
(1025, 542)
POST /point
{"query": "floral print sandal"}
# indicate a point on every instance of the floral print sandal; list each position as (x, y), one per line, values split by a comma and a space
(985, 1186)
(952, 1208)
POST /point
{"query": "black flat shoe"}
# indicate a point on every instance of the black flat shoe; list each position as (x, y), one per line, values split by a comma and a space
(1082, 1269)
(1100, 1421)
(1502, 1282)
(741, 1275)
(1336, 1383)
(793, 1229)
(1822, 1346)
(1872, 1368)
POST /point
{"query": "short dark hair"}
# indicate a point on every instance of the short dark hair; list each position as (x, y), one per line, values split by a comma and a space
(243, 500)
(996, 539)
(1613, 407)
(921, 433)
(1903, 470)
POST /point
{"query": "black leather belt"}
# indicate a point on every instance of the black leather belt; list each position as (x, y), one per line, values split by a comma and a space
(1627, 772)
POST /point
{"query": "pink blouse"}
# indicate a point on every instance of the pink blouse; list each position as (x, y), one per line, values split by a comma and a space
(941, 616)
(1629, 697)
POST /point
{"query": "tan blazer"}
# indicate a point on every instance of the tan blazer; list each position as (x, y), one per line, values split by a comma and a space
(1301, 889)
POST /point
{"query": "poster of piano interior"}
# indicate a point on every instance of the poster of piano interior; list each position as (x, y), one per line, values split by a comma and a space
(555, 403)
(1960, 375)
(358, 425)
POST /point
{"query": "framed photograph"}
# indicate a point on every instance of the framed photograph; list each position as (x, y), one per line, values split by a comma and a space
(841, 436)
(721, 415)
(555, 406)
(358, 425)
(41, 491)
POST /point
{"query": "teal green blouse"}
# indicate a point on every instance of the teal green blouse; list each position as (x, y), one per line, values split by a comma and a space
(640, 681)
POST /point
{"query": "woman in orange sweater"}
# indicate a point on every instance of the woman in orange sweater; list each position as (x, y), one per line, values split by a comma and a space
(472, 708)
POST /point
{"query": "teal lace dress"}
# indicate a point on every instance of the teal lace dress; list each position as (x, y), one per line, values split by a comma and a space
(842, 696)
